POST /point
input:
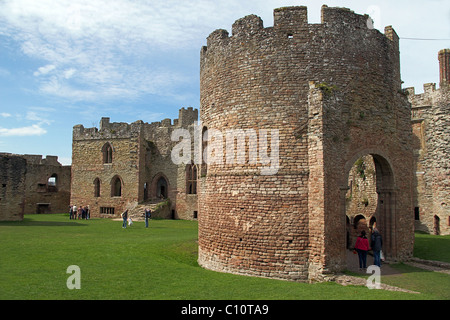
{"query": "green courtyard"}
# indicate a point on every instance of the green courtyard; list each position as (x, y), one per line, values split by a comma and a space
(160, 263)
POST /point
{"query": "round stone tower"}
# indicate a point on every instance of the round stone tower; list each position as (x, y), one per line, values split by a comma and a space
(284, 110)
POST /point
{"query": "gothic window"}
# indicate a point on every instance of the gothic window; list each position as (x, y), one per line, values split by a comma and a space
(107, 153)
(97, 188)
(191, 179)
(116, 187)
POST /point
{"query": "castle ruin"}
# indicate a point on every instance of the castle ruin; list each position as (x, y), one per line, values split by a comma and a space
(32, 184)
(352, 149)
(431, 128)
(121, 165)
(333, 92)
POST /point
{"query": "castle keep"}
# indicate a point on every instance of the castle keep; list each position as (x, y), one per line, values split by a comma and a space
(120, 165)
(333, 92)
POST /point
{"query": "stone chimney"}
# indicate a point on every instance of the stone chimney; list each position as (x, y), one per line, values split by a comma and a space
(444, 67)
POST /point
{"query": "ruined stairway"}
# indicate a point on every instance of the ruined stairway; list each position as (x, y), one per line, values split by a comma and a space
(137, 213)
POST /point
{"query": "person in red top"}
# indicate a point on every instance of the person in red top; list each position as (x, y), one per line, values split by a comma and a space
(362, 246)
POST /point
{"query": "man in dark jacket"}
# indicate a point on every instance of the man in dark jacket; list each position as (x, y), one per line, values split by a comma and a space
(376, 244)
(124, 217)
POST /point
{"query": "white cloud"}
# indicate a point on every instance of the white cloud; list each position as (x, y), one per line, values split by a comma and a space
(69, 73)
(108, 49)
(37, 116)
(5, 114)
(44, 70)
(103, 49)
(33, 130)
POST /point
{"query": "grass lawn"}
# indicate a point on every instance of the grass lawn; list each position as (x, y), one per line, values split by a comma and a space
(156, 263)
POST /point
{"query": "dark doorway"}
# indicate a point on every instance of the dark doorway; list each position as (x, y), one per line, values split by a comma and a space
(43, 208)
(161, 188)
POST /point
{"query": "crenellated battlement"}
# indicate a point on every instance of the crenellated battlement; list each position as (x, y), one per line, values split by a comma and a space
(123, 130)
(292, 23)
(432, 96)
(333, 16)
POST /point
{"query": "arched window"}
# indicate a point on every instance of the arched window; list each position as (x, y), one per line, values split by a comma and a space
(191, 179)
(116, 187)
(107, 153)
(97, 188)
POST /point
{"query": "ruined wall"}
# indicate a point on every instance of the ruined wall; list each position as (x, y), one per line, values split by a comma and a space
(431, 123)
(12, 187)
(141, 157)
(283, 225)
(26, 188)
(42, 194)
(89, 167)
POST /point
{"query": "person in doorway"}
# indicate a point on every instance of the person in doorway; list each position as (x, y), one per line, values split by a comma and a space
(148, 214)
(376, 244)
(125, 218)
(362, 246)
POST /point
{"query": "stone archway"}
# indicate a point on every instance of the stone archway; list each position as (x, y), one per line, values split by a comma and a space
(160, 187)
(385, 210)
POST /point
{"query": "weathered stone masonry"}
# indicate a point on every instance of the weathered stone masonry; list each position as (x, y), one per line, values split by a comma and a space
(32, 184)
(120, 165)
(431, 127)
(333, 90)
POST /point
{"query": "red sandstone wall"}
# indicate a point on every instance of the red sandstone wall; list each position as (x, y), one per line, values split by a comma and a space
(286, 225)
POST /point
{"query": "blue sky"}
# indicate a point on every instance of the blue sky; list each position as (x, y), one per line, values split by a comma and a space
(64, 63)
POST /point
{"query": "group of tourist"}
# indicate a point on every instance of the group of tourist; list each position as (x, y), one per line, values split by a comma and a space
(79, 212)
(362, 247)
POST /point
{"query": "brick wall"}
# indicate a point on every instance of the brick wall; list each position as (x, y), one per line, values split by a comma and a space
(332, 92)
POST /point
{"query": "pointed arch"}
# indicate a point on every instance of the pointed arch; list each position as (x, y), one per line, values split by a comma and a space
(107, 151)
(116, 186)
(191, 178)
(97, 184)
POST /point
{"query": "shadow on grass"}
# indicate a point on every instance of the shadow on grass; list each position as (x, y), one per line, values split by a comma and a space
(33, 223)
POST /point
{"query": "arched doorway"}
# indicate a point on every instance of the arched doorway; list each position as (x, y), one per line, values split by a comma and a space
(160, 187)
(379, 202)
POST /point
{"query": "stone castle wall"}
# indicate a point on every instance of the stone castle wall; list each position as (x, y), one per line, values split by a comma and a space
(33, 184)
(431, 127)
(12, 187)
(141, 159)
(327, 89)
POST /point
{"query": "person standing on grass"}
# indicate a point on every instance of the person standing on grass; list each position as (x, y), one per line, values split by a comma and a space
(362, 246)
(125, 218)
(148, 214)
(376, 244)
